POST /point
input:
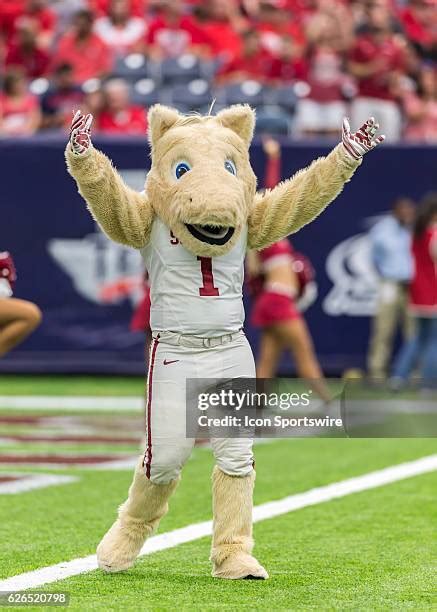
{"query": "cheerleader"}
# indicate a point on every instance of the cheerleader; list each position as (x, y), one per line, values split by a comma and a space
(279, 277)
(18, 318)
(140, 321)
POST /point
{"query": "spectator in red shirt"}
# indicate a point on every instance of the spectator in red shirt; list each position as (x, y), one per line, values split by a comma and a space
(423, 290)
(419, 20)
(253, 62)
(65, 11)
(119, 30)
(289, 65)
(377, 60)
(420, 107)
(322, 110)
(61, 99)
(422, 350)
(329, 34)
(45, 18)
(223, 24)
(10, 11)
(173, 33)
(119, 116)
(137, 8)
(84, 50)
(275, 21)
(25, 53)
(19, 110)
(334, 17)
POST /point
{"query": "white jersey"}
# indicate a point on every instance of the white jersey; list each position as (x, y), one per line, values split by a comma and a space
(201, 296)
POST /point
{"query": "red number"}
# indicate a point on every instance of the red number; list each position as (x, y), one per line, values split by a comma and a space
(208, 288)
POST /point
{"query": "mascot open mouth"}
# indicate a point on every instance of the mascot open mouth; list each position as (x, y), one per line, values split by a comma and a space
(211, 234)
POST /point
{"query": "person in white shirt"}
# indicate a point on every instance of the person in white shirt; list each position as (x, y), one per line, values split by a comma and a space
(119, 30)
(390, 241)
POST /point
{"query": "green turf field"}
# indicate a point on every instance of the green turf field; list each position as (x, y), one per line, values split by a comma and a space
(372, 550)
(70, 385)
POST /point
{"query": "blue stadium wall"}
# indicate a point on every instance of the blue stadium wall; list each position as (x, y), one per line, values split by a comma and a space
(64, 263)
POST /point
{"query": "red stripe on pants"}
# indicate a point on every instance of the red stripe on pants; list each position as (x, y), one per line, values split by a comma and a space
(149, 407)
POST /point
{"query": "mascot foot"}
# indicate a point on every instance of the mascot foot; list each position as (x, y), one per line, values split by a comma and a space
(239, 566)
(232, 540)
(138, 518)
(121, 545)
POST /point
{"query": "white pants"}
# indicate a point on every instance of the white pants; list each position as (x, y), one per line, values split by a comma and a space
(386, 113)
(171, 363)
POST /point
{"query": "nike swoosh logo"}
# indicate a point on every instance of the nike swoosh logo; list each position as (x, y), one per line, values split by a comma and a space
(167, 362)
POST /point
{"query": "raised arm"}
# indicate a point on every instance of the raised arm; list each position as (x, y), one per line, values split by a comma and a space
(123, 214)
(297, 201)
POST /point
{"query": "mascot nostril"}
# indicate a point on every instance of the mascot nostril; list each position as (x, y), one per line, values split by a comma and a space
(193, 223)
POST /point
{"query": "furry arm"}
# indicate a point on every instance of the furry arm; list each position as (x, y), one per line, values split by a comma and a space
(297, 201)
(123, 214)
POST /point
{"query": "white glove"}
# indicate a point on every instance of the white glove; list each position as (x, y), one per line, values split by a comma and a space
(363, 140)
(80, 133)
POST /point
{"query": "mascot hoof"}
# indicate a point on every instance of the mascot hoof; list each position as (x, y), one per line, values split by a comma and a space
(239, 566)
(120, 546)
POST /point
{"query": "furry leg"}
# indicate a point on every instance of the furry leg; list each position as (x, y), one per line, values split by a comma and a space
(232, 541)
(138, 518)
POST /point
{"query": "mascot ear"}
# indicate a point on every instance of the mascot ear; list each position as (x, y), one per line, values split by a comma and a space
(160, 118)
(239, 118)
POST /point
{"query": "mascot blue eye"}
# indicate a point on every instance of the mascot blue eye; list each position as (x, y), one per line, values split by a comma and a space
(181, 169)
(230, 167)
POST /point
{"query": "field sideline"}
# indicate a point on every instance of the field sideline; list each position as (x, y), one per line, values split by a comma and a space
(373, 549)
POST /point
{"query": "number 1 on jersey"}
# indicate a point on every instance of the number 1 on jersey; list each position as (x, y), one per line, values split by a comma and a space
(208, 288)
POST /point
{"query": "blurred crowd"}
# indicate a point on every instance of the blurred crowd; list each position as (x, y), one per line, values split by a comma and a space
(303, 64)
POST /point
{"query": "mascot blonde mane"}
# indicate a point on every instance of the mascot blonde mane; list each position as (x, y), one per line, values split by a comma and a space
(193, 222)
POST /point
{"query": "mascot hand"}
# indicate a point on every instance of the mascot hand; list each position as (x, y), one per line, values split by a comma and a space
(80, 133)
(363, 140)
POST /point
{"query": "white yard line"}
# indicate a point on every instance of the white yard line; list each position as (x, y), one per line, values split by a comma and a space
(131, 403)
(60, 571)
(29, 482)
(79, 403)
(115, 465)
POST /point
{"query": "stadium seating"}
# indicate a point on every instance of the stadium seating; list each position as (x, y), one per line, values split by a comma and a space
(132, 67)
(191, 96)
(248, 91)
(283, 96)
(176, 70)
(145, 92)
(273, 120)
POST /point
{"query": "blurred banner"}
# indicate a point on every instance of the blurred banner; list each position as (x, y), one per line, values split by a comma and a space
(74, 273)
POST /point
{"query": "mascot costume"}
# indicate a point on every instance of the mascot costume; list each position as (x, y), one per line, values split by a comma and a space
(193, 223)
